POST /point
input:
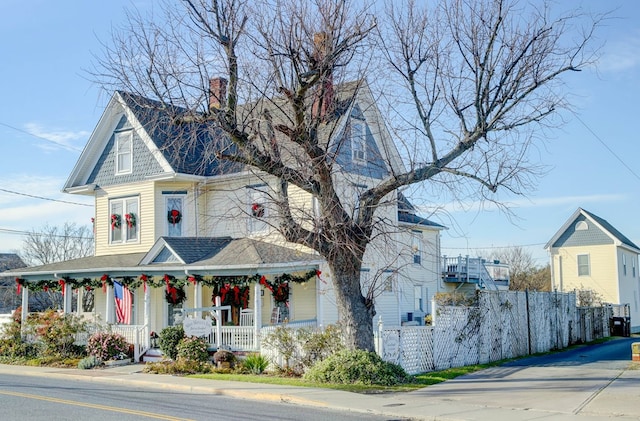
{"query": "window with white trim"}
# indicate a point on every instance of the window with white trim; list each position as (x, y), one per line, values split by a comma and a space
(583, 265)
(416, 247)
(624, 265)
(124, 220)
(358, 141)
(257, 209)
(124, 152)
(174, 204)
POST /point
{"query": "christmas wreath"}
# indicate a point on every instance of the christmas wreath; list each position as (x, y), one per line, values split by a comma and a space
(174, 216)
(130, 219)
(116, 221)
(257, 210)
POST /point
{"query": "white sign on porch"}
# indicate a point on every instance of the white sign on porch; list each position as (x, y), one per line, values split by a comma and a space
(197, 327)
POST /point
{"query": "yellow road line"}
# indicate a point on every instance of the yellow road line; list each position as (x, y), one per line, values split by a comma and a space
(94, 406)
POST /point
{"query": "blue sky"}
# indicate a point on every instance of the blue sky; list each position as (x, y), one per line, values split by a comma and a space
(49, 108)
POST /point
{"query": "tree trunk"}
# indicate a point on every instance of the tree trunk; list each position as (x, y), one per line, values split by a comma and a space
(354, 311)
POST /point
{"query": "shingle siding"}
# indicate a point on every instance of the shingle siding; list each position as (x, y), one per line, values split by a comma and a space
(144, 164)
(589, 237)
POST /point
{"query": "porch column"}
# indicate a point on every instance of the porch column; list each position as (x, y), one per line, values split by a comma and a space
(319, 302)
(147, 316)
(67, 295)
(25, 304)
(257, 315)
(79, 301)
(110, 305)
(197, 299)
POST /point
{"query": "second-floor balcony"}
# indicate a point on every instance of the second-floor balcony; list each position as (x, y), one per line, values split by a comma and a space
(475, 270)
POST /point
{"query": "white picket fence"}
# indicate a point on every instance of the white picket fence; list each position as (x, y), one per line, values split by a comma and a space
(504, 324)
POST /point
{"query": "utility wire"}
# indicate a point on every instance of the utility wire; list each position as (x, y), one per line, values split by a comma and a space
(41, 137)
(45, 198)
(606, 146)
(39, 234)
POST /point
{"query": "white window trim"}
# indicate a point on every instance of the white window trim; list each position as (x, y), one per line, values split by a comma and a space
(123, 223)
(257, 224)
(182, 197)
(588, 264)
(358, 154)
(118, 137)
(416, 247)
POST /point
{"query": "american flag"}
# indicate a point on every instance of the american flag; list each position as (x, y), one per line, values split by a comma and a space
(123, 303)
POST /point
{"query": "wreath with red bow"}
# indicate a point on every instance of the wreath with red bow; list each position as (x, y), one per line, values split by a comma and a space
(257, 210)
(174, 216)
(116, 221)
(130, 219)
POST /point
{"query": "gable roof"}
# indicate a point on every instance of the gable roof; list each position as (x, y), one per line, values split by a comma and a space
(407, 214)
(167, 141)
(208, 255)
(618, 238)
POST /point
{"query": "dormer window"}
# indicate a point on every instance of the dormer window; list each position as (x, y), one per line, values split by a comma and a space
(358, 141)
(124, 152)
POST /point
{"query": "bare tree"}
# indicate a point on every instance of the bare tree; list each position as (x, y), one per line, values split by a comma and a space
(50, 244)
(524, 274)
(468, 81)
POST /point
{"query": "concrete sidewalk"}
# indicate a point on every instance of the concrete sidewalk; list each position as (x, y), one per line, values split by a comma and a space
(496, 394)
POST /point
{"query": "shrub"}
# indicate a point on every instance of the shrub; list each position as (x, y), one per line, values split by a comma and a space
(177, 367)
(193, 349)
(255, 363)
(223, 355)
(108, 346)
(89, 362)
(170, 337)
(318, 344)
(356, 367)
(57, 332)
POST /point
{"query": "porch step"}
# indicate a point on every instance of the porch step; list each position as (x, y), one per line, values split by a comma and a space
(152, 355)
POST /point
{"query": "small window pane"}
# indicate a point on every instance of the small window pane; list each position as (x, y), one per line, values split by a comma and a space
(115, 220)
(583, 265)
(124, 152)
(132, 224)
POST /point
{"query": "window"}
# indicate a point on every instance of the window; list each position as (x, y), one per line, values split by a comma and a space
(581, 226)
(387, 285)
(124, 152)
(175, 214)
(624, 265)
(583, 265)
(416, 247)
(633, 267)
(258, 209)
(124, 220)
(358, 142)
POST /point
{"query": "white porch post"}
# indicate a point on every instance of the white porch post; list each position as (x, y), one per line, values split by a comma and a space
(79, 301)
(110, 305)
(66, 299)
(147, 315)
(197, 299)
(25, 304)
(257, 315)
(319, 302)
(218, 323)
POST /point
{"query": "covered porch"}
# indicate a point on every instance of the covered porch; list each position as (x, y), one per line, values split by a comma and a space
(167, 288)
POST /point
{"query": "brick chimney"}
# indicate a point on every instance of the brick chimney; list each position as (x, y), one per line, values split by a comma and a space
(323, 102)
(217, 92)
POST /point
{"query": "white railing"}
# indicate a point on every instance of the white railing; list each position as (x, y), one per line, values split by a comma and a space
(138, 335)
(237, 338)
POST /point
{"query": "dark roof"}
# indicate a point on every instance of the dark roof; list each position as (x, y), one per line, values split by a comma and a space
(177, 140)
(196, 252)
(606, 225)
(407, 214)
(193, 249)
(10, 261)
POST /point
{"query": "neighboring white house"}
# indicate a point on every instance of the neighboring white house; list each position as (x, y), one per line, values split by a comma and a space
(180, 227)
(587, 252)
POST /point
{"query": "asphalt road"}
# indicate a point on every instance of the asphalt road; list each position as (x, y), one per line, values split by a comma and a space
(41, 398)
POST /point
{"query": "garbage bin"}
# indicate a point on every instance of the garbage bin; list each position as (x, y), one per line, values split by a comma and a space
(617, 326)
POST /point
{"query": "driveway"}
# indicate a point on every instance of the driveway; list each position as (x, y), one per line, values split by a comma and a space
(589, 381)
